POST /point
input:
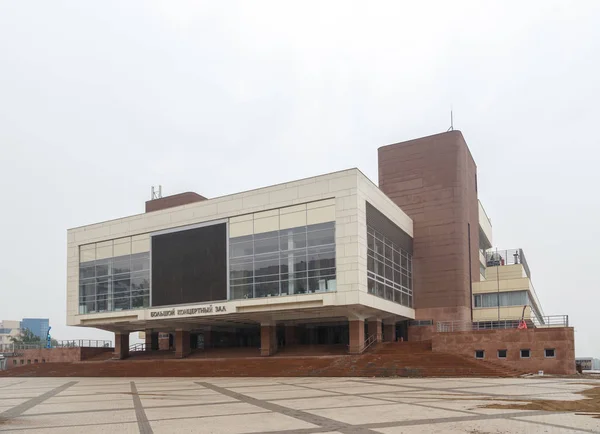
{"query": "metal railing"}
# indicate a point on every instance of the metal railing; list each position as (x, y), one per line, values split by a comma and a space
(83, 343)
(140, 346)
(76, 343)
(368, 342)
(420, 322)
(495, 258)
(506, 323)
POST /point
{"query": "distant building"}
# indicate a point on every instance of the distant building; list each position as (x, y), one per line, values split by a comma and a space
(12, 329)
(9, 329)
(587, 364)
(37, 326)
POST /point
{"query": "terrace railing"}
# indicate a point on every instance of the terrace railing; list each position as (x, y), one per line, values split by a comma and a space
(506, 323)
(496, 258)
(75, 343)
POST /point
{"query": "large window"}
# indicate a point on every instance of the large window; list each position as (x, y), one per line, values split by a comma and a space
(289, 261)
(513, 298)
(389, 269)
(114, 284)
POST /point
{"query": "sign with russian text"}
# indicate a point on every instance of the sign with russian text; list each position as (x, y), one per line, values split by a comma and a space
(189, 311)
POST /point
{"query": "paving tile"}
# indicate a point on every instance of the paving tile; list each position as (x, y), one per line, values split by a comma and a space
(248, 423)
(236, 408)
(329, 402)
(53, 407)
(289, 394)
(73, 419)
(491, 426)
(94, 405)
(384, 413)
(572, 420)
(121, 428)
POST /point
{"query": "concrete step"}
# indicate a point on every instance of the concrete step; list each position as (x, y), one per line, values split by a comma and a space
(386, 360)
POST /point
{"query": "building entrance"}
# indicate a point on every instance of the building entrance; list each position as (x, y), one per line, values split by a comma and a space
(322, 334)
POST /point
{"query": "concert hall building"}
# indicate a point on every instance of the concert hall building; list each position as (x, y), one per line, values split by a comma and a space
(333, 259)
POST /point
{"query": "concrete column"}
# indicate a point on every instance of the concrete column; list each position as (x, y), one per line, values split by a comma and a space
(151, 339)
(163, 341)
(182, 343)
(374, 328)
(389, 332)
(290, 335)
(208, 343)
(268, 340)
(356, 329)
(121, 346)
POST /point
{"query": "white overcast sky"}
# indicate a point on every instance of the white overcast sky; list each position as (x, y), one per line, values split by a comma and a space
(101, 100)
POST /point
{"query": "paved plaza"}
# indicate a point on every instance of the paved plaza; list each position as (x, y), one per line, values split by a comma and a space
(288, 405)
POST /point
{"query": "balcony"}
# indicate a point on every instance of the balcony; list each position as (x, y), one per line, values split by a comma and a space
(500, 258)
(485, 229)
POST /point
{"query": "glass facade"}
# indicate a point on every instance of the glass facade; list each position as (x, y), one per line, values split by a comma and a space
(510, 298)
(389, 269)
(37, 326)
(513, 298)
(114, 284)
(289, 261)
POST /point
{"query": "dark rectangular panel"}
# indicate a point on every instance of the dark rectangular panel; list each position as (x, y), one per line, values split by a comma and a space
(190, 266)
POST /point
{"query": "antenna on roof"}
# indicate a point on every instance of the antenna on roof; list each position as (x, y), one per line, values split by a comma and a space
(451, 121)
(156, 194)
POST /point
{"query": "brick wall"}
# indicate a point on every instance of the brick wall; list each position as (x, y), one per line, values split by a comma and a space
(53, 355)
(420, 333)
(433, 180)
(561, 339)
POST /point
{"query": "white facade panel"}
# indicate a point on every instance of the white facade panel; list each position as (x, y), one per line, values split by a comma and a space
(338, 197)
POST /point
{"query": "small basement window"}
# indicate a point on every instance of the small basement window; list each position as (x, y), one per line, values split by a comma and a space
(549, 352)
(43, 360)
(14, 361)
(35, 361)
(479, 354)
(22, 361)
(29, 362)
(525, 354)
(502, 354)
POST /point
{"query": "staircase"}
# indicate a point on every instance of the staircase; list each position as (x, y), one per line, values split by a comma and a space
(402, 359)
(416, 359)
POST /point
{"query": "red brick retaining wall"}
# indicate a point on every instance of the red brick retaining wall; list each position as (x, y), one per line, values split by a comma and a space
(53, 355)
(561, 339)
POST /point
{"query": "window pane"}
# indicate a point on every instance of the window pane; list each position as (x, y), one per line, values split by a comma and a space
(266, 265)
(320, 238)
(300, 286)
(389, 253)
(102, 303)
(121, 287)
(241, 269)
(87, 270)
(139, 263)
(290, 239)
(241, 291)
(267, 289)
(87, 287)
(122, 303)
(266, 245)
(389, 273)
(102, 286)
(241, 249)
(140, 281)
(102, 268)
(122, 265)
(379, 246)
